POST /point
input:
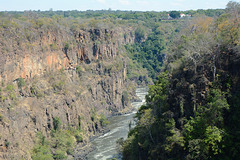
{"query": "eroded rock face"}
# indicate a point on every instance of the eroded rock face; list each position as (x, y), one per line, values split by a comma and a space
(55, 89)
(56, 50)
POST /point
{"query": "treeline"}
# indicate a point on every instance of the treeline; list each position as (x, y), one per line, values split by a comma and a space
(126, 15)
(23, 25)
(192, 110)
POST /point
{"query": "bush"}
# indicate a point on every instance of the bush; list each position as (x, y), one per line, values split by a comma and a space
(56, 123)
(1, 117)
(66, 47)
(10, 87)
(139, 34)
(79, 71)
(125, 36)
(58, 85)
(20, 82)
(35, 91)
(103, 120)
(11, 93)
(59, 155)
(79, 123)
(41, 153)
(7, 143)
(53, 46)
(78, 138)
(125, 98)
(62, 140)
(93, 114)
(76, 133)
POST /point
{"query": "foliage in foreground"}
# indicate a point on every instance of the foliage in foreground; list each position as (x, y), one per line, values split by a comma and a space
(157, 137)
(175, 123)
(59, 145)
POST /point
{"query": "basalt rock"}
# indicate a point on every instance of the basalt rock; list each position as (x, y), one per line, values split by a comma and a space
(70, 75)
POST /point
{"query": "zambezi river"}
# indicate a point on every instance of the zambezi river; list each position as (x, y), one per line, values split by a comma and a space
(106, 147)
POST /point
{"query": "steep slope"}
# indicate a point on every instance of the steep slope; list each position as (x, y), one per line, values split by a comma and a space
(191, 111)
(53, 77)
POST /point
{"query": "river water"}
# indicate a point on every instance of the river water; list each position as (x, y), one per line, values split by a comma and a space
(106, 147)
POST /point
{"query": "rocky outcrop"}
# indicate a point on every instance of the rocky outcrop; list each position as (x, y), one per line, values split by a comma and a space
(59, 49)
(73, 75)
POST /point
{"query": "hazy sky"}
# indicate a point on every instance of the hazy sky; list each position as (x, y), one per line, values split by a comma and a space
(140, 5)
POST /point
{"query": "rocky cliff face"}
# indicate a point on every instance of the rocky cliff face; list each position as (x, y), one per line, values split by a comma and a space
(58, 49)
(76, 76)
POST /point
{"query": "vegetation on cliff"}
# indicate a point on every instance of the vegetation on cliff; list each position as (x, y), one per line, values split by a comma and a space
(63, 72)
(55, 70)
(191, 110)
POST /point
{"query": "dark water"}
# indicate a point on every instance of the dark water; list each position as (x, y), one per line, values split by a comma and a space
(106, 147)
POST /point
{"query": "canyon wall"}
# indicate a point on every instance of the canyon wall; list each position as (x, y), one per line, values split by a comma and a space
(72, 75)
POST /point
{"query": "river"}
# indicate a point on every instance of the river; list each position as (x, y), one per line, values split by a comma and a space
(106, 147)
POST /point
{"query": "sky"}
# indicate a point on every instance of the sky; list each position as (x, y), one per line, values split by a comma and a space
(134, 5)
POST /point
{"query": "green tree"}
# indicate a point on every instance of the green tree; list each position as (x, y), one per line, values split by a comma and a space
(42, 152)
(79, 71)
(103, 120)
(175, 14)
(125, 98)
(150, 53)
(139, 34)
(56, 123)
(20, 82)
(232, 125)
(205, 132)
(155, 134)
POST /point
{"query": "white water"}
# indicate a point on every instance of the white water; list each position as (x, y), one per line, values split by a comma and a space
(106, 147)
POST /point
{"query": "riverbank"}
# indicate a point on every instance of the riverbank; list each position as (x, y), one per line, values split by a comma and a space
(105, 145)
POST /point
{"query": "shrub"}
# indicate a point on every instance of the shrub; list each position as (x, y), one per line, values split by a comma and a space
(103, 120)
(2, 98)
(35, 91)
(12, 96)
(139, 34)
(79, 123)
(125, 36)
(59, 155)
(66, 47)
(56, 123)
(1, 117)
(41, 153)
(7, 143)
(125, 98)
(79, 70)
(79, 138)
(53, 46)
(59, 145)
(76, 133)
(93, 114)
(58, 85)
(10, 87)
(20, 82)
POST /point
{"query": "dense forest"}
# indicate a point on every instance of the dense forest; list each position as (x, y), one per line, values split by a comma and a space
(192, 110)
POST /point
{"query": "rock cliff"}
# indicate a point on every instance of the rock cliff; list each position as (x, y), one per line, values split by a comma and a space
(73, 75)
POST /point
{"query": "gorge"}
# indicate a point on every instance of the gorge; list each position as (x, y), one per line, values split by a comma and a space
(69, 77)
(59, 79)
(106, 145)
